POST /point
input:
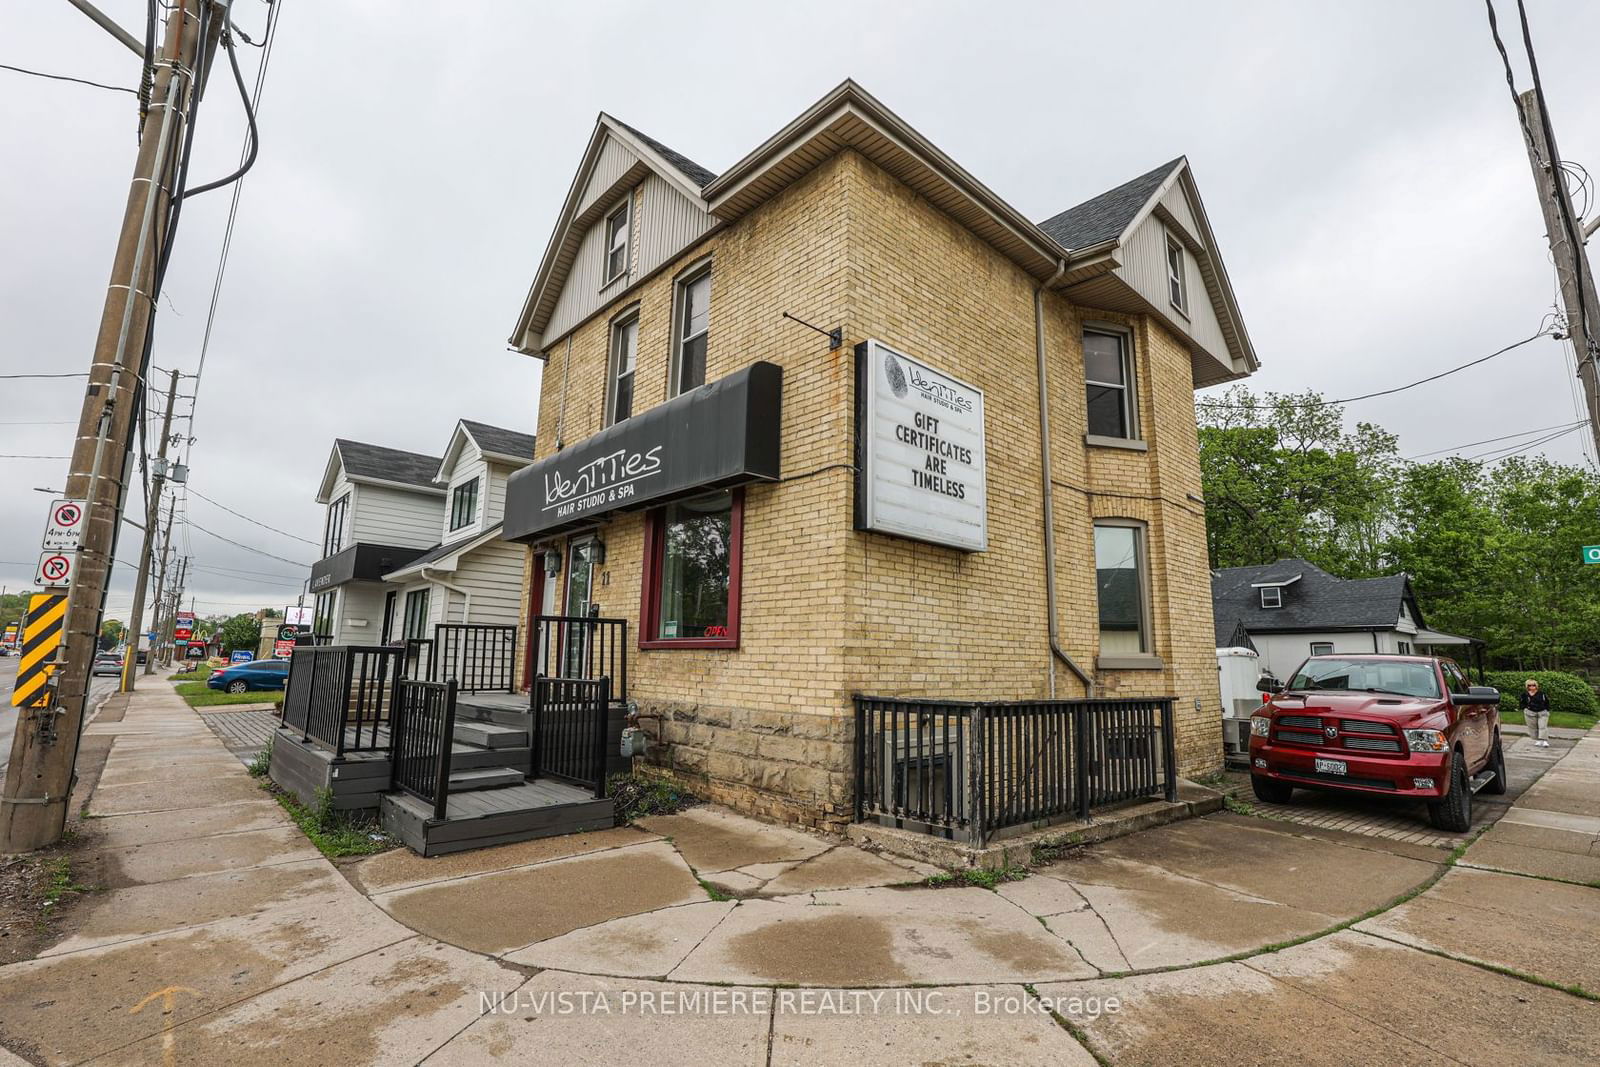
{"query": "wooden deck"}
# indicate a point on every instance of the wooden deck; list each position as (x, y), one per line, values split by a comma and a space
(541, 808)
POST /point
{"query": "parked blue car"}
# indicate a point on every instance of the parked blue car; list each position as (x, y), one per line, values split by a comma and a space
(258, 674)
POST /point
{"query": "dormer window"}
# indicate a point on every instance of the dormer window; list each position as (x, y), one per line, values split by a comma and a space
(1272, 596)
(617, 242)
(464, 505)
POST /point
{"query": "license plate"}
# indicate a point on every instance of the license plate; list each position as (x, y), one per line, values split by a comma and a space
(1331, 766)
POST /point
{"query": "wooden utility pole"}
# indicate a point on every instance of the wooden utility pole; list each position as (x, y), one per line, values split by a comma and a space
(33, 800)
(152, 517)
(157, 623)
(1572, 265)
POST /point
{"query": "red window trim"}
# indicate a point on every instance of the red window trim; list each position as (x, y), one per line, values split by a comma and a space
(650, 591)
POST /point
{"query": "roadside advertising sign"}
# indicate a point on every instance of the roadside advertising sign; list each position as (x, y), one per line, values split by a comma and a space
(282, 649)
(240, 655)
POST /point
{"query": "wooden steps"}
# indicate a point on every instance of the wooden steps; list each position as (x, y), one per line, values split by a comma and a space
(484, 778)
(495, 816)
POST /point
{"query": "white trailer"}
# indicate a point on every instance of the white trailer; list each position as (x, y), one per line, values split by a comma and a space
(1238, 670)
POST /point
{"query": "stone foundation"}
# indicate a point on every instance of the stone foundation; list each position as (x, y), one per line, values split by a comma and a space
(791, 767)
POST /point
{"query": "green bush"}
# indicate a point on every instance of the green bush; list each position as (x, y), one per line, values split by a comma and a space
(1567, 692)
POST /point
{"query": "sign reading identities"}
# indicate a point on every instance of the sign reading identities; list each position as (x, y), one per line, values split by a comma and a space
(923, 469)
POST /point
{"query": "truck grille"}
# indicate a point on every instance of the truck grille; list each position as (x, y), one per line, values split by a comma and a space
(1361, 726)
(1305, 722)
(1299, 737)
(1372, 744)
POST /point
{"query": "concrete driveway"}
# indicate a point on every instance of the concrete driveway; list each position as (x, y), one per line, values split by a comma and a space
(707, 938)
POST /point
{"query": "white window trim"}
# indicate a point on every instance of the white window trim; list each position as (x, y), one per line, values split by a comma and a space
(625, 209)
(477, 505)
(1130, 389)
(1322, 644)
(680, 287)
(1277, 596)
(1182, 276)
(630, 314)
(1148, 659)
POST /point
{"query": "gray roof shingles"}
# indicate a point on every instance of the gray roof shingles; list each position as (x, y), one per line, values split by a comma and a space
(501, 441)
(1318, 601)
(701, 176)
(362, 460)
(438, 552)
(1108, 214)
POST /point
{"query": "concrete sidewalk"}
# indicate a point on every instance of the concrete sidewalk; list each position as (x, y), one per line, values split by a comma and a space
(706, 938)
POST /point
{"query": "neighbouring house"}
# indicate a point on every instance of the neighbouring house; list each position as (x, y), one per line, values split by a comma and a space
(1291, 609)
(384, 509)
(840, 420)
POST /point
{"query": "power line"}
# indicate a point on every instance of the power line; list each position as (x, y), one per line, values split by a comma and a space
(13, 377)
(257, 522)
(69, 78)
(1491, 440)
(35, 457)
(1399, 388)
(1506, 453)
(188, 522)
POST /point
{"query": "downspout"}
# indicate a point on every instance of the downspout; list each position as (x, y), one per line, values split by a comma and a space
(466, 596)
(1049, 500)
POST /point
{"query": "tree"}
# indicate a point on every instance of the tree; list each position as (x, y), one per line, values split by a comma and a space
(112, 632)
(241, 631)
(12, 607)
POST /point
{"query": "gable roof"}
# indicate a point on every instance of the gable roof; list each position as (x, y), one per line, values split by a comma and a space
(500, 442)
(380, 464)
(849, 117)
(446, 551)
(1317, 601)
(1107, 216)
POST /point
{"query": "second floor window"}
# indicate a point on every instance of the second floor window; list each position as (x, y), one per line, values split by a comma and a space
(1109, 378)
(617, 243)
(624, 357)
(694, 320)
(333, 533)
(1177, 284)
(464, 505)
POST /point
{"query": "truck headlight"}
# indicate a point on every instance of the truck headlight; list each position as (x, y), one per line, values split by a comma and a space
(1426, 741)
(1260, 725)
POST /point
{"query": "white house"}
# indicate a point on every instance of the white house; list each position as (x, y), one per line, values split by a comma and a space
(384, 508)
(1290, 609)
(468, 575)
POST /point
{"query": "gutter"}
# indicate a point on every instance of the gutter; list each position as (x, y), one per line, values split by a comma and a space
(1048, 494)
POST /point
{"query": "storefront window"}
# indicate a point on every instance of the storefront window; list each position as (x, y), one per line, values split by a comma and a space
(692, 587)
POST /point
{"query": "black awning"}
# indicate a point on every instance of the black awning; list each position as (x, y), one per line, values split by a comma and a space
(360, 563)
(722, 434)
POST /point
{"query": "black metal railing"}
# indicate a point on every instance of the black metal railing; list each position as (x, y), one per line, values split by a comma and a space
(969, 769)
(423, 727)
(342, 696)
(416, 651)
(481, 657)
(581, 646)
(569, 730)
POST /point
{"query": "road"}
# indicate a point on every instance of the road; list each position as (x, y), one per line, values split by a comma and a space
(8, 714)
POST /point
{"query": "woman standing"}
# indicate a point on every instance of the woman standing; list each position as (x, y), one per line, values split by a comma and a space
(1535, 712)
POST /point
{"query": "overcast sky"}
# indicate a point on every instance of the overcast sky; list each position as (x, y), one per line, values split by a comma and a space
(1360, 162)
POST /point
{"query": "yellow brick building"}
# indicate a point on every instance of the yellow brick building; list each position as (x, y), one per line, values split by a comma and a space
(755, 605)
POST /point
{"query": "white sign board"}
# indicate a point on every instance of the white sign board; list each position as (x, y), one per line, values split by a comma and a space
(298, 616)
(924, 472)
(56, 569)
(63, 531)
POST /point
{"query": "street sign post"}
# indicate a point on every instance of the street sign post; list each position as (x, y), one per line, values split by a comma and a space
(63, 531)
(56, 569)
(1591, 553)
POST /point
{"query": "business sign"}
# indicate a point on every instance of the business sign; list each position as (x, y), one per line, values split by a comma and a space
(1591, 553)
(240, 655)
(723, 434)
(922, 471)
(63, 530)
(282, 649)
(56, 569)
(298, 616)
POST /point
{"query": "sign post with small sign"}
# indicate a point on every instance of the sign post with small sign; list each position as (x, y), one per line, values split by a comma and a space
(56, 569)
(63, 531)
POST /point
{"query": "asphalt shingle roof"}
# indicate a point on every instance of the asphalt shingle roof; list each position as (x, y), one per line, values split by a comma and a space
(1108, 214)
(438, 552)
(690, 169)
(362, 460)
(495, 439)
(1318, 601)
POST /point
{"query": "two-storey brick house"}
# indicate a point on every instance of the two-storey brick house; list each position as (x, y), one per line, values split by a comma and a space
(986, 486)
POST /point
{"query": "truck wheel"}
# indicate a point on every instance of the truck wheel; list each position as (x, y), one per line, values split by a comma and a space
(1269, 791)
(1497, 764)
(1453, 811)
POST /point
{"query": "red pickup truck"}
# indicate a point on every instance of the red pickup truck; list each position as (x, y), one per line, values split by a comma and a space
(1408, 726)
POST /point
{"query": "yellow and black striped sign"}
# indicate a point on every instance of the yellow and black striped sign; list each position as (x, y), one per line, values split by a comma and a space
(41, 637)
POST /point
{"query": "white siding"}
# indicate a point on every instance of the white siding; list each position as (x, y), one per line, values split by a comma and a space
(495, 496)
(609, 168)
(581, 295)
(1176, 203)
(669, 222)
(1282, 653)
(492, 573)
(358, 616)
(1144, 267)
(381, 515)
